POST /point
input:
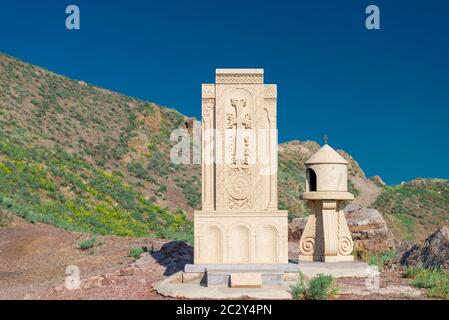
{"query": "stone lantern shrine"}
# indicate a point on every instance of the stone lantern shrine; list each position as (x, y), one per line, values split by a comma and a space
(326, 236)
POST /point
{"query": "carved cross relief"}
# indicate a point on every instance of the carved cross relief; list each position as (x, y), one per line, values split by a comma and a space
(238, 120)
(239, 181)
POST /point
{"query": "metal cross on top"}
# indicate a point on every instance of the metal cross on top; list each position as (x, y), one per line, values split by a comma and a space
(238, 120)
(326, 139)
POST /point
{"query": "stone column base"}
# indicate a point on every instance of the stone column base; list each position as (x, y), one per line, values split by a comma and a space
(326, 236)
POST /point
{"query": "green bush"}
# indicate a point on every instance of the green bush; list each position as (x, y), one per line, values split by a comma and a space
(136, 252)
(378, 259)
(299, 288)
(191, 189)
(138, 170)
(87, 243)
(436, 281)
(322, 287)
(381, 258)
(4, 218)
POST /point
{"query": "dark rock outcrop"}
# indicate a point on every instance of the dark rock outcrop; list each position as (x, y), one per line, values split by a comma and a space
(432, 253)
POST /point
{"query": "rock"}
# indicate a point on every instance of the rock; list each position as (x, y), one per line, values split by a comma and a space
(432, 253)
(401, 246)
(126, 272)
(146, 261)
(368, 228)
(378, 181)
(295, 229)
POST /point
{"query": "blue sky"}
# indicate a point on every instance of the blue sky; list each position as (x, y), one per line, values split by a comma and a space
(381, 95)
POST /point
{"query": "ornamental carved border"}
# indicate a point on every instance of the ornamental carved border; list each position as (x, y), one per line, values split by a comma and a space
(239, 78)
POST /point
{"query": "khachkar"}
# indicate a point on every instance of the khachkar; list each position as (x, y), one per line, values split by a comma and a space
(326, 236)
(239, 221)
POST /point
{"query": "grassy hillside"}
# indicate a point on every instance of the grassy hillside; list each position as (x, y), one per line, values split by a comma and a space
(87, 159)
(415, 209)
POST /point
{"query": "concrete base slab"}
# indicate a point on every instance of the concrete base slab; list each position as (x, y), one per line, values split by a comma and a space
(335, 269)
(354, 269)
(273, 279)
(217, 279)
(246, 280)
(170, 287)
(187, 285)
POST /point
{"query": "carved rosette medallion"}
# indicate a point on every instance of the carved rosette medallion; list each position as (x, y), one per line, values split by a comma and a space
(239, 187)
(239, 191)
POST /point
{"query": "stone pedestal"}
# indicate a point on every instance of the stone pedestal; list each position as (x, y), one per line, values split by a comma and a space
(326, 236)
(239, 222)
(240, 237)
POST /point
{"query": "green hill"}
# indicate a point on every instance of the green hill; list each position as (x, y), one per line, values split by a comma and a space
(84, 158)
(415, 209)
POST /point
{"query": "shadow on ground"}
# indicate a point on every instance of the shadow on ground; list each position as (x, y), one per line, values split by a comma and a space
(173, 255)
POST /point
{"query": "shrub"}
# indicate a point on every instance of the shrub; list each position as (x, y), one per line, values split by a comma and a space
(436, 281)
(136, 252)
(322, 287)
(137, 170)
(378, 259)
(381, 258)
(298, 289)
(87, 243)
(191, 189)
(4, 218)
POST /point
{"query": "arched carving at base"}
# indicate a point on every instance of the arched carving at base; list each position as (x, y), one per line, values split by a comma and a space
(267, 243)
(211, 247)
(239, 244)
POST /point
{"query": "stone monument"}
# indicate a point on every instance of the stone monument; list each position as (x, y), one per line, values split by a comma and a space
(326, 236)
(239, 222)
(240, 237)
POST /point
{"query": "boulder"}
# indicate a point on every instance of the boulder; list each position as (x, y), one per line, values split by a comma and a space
(368, 228)
(295, 229)
(432, 253)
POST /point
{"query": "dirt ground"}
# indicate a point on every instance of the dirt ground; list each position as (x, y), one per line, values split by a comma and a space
(34, 258)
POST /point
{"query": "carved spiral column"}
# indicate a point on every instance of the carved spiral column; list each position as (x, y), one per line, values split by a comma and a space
(345, 242)
(308, 243)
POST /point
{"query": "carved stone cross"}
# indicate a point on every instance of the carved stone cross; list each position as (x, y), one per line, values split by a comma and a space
(238, 120)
